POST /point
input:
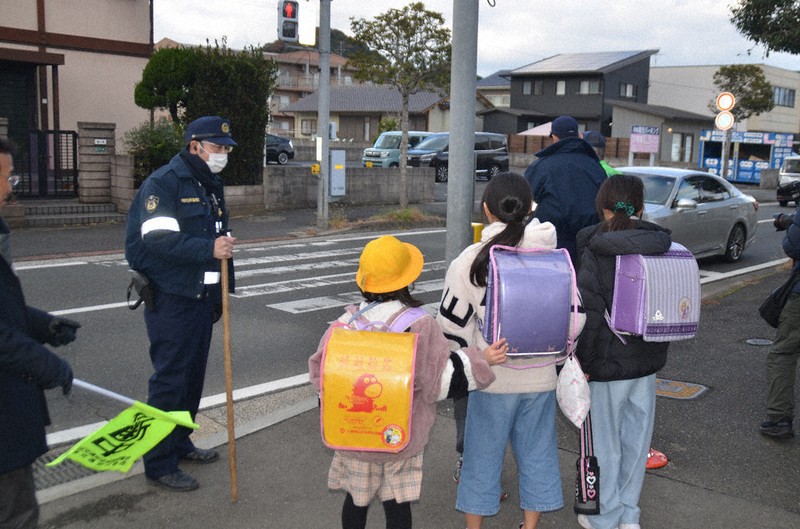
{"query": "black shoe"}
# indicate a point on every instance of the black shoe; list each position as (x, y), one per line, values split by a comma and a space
(782, 428)
(178, 481)
(201, 455)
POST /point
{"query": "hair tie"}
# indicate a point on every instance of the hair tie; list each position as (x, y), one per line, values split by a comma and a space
(623, 206)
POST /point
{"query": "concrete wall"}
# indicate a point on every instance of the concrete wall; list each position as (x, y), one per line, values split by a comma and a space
(290, 187)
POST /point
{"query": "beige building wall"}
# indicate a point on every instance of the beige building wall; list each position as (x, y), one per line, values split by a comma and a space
(125, 20)
(691, 88)
(97, 85)
(99, 88)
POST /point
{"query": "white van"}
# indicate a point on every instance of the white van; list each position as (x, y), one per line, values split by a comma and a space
(790, 170)
(789, 181)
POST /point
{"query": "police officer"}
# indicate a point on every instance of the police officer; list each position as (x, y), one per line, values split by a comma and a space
(176, 236)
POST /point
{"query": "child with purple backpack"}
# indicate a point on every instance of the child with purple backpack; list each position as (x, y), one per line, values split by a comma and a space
(519, 407)
(621, 369)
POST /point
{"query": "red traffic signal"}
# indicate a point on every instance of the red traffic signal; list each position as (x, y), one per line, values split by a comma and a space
(287, 20)
(289, 10)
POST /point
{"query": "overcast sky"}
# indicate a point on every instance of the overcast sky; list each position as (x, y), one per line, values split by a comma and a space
(512, 33)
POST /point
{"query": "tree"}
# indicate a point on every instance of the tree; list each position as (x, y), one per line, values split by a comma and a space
(410, 50)
(215, 80)
(166, 80)
(775, 24)
(236, 85)
(750, 87)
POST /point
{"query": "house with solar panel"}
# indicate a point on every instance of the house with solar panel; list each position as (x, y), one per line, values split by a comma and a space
(583, 85)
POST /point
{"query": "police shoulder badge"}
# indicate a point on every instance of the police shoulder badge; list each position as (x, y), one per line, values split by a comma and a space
(151, 203)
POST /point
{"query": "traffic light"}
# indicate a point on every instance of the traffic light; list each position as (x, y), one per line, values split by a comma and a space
(287, 20)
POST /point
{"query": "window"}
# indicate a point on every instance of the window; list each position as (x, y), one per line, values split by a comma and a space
(538, 87)
(590, 87)
(783, 97)
(627, 90)
(308, 126)
(561, 88)
(526, 88)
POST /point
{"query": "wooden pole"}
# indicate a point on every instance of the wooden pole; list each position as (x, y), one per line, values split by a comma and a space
(226, 333)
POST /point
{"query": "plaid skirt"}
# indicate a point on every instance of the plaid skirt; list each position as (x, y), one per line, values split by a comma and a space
(397, 480)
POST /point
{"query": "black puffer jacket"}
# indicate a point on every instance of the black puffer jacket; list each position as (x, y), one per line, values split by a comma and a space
(601, 353)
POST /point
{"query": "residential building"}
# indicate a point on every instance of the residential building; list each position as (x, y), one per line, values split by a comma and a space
(496, 88)
(298, 76)
(356, 111)
(583, 85)
(692, 88)
(64, 62)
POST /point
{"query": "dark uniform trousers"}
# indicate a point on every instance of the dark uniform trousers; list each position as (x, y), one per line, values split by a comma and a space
(18, 507)
(179, 329)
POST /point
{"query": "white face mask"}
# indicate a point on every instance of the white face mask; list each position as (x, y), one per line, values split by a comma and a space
(217, 162)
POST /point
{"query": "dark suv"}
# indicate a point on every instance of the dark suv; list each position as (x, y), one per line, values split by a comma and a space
(491, 152)
(279, 149)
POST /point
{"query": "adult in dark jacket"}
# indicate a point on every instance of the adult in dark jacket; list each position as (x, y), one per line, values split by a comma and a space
(564, 180)
(176, 237)
(782, 359)
(622, 375)
(27, 368)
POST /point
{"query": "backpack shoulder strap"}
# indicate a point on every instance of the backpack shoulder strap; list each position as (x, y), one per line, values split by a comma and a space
(404, 319)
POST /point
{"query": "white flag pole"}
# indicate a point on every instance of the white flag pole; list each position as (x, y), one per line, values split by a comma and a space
(97, 389)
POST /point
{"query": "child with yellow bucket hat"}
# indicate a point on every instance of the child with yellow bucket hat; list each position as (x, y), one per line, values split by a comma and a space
(387, 269)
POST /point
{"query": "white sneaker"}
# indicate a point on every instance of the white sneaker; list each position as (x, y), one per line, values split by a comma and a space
(629, 526)
(583, 521)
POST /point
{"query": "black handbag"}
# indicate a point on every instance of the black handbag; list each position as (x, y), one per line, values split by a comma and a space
(772, 307)
(587, 481)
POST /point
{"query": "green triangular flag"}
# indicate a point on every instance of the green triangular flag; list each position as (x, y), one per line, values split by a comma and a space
(125, 438)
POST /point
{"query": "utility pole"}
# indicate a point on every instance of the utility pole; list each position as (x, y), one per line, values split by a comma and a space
(463, 85)
(323, 117)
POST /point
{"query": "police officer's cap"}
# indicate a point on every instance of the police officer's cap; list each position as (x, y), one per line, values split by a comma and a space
(210, 128)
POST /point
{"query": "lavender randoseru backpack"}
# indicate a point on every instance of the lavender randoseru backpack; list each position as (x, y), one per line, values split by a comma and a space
(529, 299)
(657, 296)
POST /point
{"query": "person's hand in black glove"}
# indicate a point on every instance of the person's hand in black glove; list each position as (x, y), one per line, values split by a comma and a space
(782, 221)
(62, 331)
(63, 379)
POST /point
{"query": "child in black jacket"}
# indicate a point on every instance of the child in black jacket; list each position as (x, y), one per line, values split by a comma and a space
(622, 375)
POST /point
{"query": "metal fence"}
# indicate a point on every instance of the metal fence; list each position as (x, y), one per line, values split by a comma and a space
(48, 165)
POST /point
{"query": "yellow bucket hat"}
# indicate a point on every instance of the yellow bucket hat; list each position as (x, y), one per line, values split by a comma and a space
(388, 264)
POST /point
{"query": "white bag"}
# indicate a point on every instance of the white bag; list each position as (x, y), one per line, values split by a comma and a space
(572, 391)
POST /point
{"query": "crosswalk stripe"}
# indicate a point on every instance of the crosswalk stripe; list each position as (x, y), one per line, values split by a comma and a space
(301, 306)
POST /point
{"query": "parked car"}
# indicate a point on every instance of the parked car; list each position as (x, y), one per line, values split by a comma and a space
(386, 151)
(279, 149)
(789, 181)
(705, 213)
(491, 152)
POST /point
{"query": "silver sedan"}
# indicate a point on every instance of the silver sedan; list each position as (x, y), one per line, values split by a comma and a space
(705, 213)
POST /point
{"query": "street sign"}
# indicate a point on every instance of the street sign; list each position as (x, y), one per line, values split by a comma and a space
(725, 101)
(645, 139)
(724, 120)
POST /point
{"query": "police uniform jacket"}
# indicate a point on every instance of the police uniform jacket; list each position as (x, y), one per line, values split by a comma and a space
(172, 227)
(564, 180)
(603, 356)
(26, 366)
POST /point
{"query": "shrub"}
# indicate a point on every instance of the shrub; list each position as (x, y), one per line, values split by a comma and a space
(151, 146)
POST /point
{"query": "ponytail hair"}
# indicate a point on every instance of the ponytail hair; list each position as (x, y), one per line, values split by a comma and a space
(508, 197)
(623, 195)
